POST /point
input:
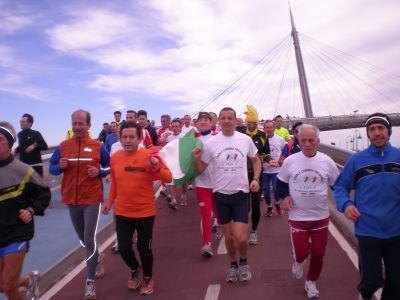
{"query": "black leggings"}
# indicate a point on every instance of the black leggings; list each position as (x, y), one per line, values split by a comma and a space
(125, 229)
(255, 199)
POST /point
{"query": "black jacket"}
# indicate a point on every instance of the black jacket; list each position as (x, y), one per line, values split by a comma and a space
(27, 137)
(20, 188)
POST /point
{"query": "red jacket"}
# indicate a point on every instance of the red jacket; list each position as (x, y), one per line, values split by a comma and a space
(77, 187)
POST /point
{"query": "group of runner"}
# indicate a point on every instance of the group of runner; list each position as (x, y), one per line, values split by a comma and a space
(235, 164)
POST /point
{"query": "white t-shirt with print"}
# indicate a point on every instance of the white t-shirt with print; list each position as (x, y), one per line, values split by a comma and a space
(172, 137)
(204, 180)
(228, 156)
(309, 179)
(187, 129)
(276, 145)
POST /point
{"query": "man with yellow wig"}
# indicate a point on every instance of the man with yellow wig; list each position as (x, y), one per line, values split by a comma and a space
(260, 140)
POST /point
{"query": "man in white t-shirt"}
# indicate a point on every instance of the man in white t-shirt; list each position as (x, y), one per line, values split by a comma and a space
(176, 128)
(272, 167)
(303, 183)
(227, 153)
(187, 124)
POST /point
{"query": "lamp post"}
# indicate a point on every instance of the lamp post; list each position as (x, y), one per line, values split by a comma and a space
(355, 139)
(348, 139)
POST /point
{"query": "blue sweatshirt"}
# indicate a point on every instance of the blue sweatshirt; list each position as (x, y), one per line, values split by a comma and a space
(374, 174)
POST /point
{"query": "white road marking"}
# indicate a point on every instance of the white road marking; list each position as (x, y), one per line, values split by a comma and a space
(222, 247)
(212, 292)
(64, 281)
(351, 253)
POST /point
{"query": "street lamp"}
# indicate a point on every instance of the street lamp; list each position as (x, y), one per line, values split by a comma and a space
(348, 139)
(355, 139)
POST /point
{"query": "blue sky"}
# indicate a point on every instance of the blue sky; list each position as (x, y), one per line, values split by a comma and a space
(166, 56)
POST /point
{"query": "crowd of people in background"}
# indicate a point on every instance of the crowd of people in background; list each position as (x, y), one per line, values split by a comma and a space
(239, 163)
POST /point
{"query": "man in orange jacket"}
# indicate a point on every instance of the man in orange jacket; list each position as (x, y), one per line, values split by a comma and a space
(133, 170)
(79, 159)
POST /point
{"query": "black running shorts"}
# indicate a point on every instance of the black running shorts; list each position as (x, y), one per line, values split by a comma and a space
(232, 207)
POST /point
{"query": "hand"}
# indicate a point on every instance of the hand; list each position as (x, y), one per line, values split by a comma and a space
(274, 163)
(106, 208)
(154, 163)
(352, 213)
(287, 203)
(25, 215)
(93, 171)
(108, 178)
(197, 152)
(63, 163)
(30, 148)
(254, 186)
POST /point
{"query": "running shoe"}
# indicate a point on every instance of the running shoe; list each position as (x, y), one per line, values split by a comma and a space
(183, 200)
(232, 274)
(32, 292)
(244, 273)
(279, 210)
(90, 290)
(220, 233)
(114, 248)
(147, 287)
(100, 266)
(163, 191)
(253, 239)
(172, 204)
(206, 250)
(311, 289)
(134, 280)
(297, 270)
(268, 213)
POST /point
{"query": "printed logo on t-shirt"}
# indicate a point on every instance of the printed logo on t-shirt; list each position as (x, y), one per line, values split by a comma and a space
(230, 160)
(131, 169)
(308, 182)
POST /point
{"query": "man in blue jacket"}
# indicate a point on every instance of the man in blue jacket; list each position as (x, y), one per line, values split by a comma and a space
(374, 174)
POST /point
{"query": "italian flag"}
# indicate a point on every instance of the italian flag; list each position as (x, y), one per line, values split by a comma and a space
(177, 155)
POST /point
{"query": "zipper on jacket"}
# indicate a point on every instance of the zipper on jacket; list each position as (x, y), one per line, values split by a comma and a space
(77, 171)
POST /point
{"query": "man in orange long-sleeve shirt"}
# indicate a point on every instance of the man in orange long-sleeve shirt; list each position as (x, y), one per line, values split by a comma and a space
(132, 173)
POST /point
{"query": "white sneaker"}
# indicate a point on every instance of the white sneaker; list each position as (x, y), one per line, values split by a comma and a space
(90, 290)
(114, 248)
(253, 240)
(311, 289)
(297, 270)
(183, 200)
(220, 233)
(206, 250)
(32, 292)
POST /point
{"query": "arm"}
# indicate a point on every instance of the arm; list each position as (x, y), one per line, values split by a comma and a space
(283, 191)
(200, 165)
(40, 143)
(343, 186)
(39, 194)
(111, 195)
(54, 163)
(104, 161)
(254, 184)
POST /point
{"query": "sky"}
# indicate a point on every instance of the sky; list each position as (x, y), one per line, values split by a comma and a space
(167, 56)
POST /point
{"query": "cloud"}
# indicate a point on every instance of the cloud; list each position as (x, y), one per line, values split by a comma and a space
(10, 22)
(89, 29)
(188, 51)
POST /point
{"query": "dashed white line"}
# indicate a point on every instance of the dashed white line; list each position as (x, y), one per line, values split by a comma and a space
(212, 292)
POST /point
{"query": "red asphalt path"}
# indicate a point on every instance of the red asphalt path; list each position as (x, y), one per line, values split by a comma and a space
(181, 273)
